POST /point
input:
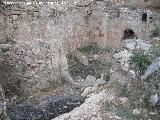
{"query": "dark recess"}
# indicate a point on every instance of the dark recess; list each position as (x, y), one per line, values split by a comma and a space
(129, 34)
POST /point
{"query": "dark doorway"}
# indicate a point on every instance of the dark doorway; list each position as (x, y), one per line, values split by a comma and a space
(144, 17)
(129, 34)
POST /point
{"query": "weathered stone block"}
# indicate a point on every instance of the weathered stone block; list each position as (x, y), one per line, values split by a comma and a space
(17, 12)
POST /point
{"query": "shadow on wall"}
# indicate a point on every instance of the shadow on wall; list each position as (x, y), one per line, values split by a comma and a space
(10, 80)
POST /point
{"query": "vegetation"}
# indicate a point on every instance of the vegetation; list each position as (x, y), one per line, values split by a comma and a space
(156, 32)
(125, 92)
(141, 60)
(92, 48)
(157, 52)
(3, 116)
(126, 113)
(95, 68)
(146, 103)
(101, 68)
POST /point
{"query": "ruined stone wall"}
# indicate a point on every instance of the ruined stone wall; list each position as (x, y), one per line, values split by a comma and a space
(39, 35)
(45, 34)
(2, 36)
(3, 105)
(92, 24)
(143, 3)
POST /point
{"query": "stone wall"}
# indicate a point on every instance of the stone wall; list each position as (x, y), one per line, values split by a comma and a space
(39, 35)
(2, 26)
(143, 3)
(12, 68)
(44, 34)
(3, 105)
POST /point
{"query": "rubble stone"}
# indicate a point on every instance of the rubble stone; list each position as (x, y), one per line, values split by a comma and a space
(136, 112)
(137, 44)
(124, 57)
(89, 81)
(151, 69)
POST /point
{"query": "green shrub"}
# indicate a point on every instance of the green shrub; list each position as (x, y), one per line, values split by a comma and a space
(140, 60)
(146, 103)
(91, 48)
(3, 116)
(101, 68)
(157, 52)
(124, 92)
(126, 113)
(156, 32)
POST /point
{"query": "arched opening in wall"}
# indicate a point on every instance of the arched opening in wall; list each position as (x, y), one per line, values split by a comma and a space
(10, 80)
(129, 34)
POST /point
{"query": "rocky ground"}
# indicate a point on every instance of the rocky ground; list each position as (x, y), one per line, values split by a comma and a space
(127, 95)
(118, 91)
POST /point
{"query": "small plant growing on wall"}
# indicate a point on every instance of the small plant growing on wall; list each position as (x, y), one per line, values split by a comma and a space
(126, 113)
(157, 52)
(140, 60)
(90, 48)
(156, 32)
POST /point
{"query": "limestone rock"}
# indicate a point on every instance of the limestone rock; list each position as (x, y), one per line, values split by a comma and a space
(82, 58)
(83, 2)
(120, 78)
(123, 57)
(153, 99)
(137, 44)
(132, 73)
(122, 101)
(152, 113)
(5, 47)
(151, 68)
(100, 81)
(14, 17)
(136, 112)
(89, 81)
(87, 91)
